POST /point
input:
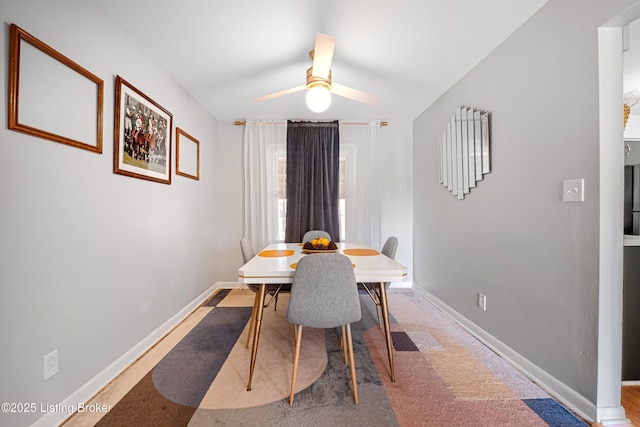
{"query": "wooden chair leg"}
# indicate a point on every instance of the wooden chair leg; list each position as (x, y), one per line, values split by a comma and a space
(296, 356)
(353, 365)
(343, 343)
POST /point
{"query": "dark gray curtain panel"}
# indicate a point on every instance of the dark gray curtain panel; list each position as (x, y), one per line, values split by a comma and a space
(313, 177)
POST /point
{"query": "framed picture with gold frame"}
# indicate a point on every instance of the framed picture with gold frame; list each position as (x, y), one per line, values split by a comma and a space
(142, 135)
(52, 97)
(187, 155)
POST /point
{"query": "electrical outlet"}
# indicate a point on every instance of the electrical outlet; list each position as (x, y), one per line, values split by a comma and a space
(482, 302)
(51, 364)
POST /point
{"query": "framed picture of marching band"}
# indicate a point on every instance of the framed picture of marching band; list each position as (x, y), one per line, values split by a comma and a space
(142, 135)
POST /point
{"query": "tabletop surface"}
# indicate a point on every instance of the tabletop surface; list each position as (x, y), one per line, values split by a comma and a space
(276, 264)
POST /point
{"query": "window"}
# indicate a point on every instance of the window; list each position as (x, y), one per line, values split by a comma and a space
(282, 197)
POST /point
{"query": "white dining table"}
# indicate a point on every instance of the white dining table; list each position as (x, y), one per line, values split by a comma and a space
(276, 264)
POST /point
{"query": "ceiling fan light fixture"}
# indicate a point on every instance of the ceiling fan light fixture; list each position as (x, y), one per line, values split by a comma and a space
(318, 98)
(319, 82)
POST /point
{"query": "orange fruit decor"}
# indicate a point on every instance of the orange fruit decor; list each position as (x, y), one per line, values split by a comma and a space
(320, 244)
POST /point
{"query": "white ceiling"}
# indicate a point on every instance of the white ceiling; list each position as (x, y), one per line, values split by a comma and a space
(406, 52)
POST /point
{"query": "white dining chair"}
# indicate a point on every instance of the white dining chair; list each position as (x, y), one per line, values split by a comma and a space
(389, 249)
(314, 234)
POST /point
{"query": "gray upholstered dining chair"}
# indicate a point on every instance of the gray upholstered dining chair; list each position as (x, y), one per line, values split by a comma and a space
(389, 249)
(314, 234)
(248, 252)
(324, 294)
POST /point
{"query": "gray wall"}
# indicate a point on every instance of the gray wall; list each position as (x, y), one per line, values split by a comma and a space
(91, 262)
(512, 238)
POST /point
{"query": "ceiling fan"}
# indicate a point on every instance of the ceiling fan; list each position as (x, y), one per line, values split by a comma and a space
(319, 83)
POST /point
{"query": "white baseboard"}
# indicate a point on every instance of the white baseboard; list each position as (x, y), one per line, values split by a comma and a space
(401, 285)
(97, 383)
(612, 416)
(229, 285)
(558, 390)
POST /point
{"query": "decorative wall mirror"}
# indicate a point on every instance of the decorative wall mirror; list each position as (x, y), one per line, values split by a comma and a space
(464, 151)
(51, 96)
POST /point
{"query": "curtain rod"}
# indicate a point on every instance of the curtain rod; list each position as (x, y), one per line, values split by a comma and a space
(242, 123)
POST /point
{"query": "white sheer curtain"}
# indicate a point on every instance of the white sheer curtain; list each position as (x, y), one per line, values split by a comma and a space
(363, 202)
(264, 142)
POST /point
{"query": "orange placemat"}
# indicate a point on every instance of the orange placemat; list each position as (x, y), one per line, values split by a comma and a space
(276, 252)
(361, 252)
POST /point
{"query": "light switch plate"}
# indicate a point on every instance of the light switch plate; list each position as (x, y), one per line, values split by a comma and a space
(573, 190)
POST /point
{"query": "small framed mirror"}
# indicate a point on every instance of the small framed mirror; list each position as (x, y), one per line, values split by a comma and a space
(187, 155)
(51, 96)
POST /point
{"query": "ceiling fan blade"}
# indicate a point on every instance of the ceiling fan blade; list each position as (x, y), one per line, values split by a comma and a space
(351, 93)
(281, 93)
(323, 55)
